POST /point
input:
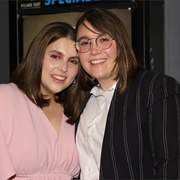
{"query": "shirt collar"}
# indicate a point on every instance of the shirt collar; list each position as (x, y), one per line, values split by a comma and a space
(97, 90)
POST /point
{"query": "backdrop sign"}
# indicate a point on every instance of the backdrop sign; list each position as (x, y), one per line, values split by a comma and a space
(54, 3)
(30, 7)
(33, 4)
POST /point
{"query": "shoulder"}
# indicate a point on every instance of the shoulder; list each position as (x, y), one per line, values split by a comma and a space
(9, 91)
(157, 81)
(8, 88)
(157, 86)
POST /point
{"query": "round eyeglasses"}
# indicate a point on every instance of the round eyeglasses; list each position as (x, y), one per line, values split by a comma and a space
(83, 45)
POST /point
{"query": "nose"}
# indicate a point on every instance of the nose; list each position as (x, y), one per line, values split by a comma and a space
(94, 48)
(63, 66)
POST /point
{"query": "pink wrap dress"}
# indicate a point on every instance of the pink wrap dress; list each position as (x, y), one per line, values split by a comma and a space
(30, 147)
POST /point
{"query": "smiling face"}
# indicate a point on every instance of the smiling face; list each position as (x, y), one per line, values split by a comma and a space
(60, 66)
(96, 62)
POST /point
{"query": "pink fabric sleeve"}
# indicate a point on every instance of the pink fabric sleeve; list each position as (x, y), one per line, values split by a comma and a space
(6, 167)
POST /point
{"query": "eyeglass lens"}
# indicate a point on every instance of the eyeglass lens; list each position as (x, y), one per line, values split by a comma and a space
(103, 42)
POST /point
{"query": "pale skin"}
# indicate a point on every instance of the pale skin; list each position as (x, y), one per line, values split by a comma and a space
(60, 67)
(96, 62)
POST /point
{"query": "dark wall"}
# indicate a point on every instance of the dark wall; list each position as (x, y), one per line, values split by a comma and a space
(172, 38)
(156, 36)
(4, 42)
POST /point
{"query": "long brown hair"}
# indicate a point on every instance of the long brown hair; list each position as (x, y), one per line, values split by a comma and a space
(27, 75)
(108, 23)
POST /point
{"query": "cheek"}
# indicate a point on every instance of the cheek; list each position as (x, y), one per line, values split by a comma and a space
(73, 72)
(84, 60)
(83, 57)
(46, 65)
(113, 52)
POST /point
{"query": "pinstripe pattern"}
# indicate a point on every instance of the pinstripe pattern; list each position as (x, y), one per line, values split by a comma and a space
(142, 135)
(178, 123)
(138, 117)
(112, 146)
(150, 101)
(125, 136)
(164, 129)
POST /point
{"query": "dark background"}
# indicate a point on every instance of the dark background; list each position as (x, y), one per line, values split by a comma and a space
(155, 31)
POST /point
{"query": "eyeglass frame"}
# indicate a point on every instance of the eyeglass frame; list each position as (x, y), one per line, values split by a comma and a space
(89, 41)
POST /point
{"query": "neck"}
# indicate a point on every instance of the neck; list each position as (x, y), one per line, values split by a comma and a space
(106, 85)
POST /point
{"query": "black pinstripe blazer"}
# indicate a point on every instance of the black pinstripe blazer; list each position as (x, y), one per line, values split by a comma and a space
(142, 135)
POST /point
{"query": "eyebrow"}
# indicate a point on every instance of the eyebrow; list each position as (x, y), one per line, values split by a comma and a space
(75, 57)
(83, 37)
(63, 53)
(59, 52)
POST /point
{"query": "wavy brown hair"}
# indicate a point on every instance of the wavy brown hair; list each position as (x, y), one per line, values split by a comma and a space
(27, 76)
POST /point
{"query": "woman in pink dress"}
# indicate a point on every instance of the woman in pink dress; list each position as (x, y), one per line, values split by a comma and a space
(37, 110)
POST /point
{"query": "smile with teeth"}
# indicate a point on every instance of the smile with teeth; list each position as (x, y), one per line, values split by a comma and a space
(97, 61)
(61, 78)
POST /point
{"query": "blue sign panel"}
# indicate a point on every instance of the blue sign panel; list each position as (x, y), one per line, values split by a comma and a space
(28, 7)
(53, 2)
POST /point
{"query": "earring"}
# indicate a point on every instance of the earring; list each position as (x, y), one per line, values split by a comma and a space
(93, 79)
(74, 81)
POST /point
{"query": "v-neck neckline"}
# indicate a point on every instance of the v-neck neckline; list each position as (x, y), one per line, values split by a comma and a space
(51, 125)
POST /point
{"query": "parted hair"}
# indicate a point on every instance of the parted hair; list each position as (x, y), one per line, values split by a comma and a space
(27, 75)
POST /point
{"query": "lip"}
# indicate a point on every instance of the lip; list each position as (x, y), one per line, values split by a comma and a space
(58, 78)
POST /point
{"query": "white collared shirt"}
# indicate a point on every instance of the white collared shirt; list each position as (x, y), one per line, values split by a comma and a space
(91, 131)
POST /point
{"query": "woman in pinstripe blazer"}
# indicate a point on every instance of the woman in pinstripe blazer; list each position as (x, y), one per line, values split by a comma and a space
(130, 126)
